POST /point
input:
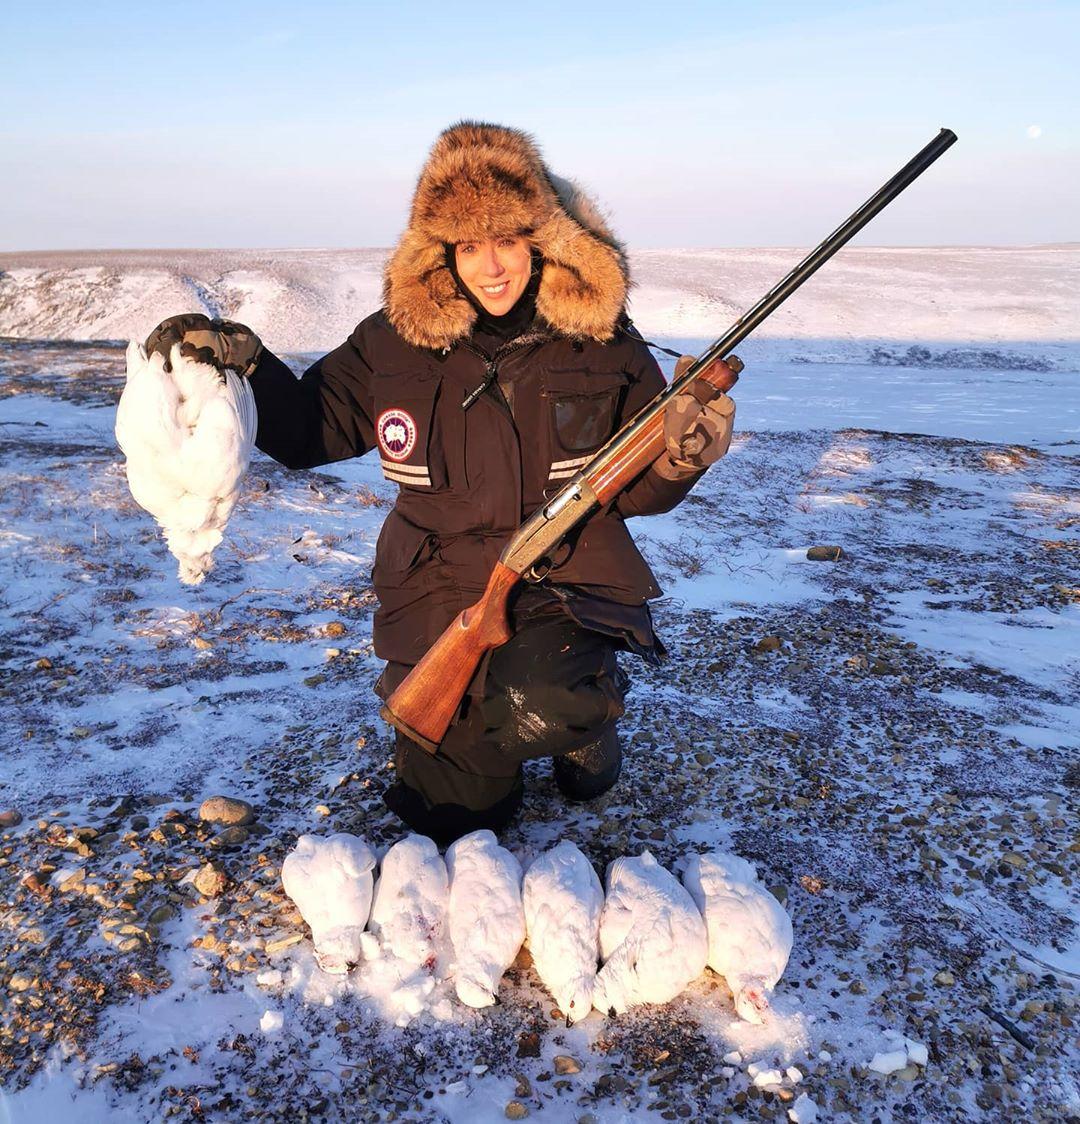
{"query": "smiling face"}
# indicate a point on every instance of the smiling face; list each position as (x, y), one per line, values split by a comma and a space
(495, 271)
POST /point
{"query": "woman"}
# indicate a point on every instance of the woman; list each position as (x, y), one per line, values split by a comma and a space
(501, 360)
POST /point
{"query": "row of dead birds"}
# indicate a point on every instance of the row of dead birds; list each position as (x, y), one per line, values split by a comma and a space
(466, 918)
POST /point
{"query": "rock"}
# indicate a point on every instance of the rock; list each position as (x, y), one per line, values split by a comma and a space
(43, 664)
(824, 554)
(889, 1061)
(201, 644)
(230, 837)
(226, 810)
(283, 943)
(945, 978)
(528, 1045)
(769, 644)
(20, 982)
(882, 667)
(564, 1064)
(515, 1110)
(11, 818)
(335, 629)
(139, 823)
(1014, 859)
(160, 915)
(210, 880)
(803, 1111)
(124, 808)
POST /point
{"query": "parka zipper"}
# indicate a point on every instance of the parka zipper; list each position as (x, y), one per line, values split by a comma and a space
(491, 369)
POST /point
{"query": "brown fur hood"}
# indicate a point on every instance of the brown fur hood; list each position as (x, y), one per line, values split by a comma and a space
(485, 181)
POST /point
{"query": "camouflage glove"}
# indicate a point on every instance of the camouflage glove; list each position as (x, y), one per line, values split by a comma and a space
(698, 424)
(222, 344)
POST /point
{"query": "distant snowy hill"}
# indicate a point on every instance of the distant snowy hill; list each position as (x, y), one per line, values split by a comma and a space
(865, 302)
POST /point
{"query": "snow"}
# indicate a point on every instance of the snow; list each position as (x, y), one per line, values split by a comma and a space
(917, 407)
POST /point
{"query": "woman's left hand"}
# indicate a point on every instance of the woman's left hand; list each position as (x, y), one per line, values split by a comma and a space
(697, 433)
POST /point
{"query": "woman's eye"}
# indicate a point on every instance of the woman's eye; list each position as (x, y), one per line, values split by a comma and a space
(466, 249)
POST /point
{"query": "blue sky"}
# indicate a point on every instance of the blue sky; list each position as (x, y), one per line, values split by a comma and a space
(697, 124)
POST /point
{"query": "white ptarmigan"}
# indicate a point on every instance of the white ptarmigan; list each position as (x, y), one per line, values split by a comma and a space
(652, 937)
(330, 880)
(409, 909)
(563, 898)
(187, 435)
(487, 921)
(750, 933)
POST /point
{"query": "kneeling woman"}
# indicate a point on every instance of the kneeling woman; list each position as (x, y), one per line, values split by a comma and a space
(501, 360)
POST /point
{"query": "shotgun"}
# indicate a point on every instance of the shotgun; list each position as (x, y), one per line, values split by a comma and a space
(425, 703)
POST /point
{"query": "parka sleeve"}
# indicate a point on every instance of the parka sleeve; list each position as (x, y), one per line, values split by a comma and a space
(322, 417)
(650, 493)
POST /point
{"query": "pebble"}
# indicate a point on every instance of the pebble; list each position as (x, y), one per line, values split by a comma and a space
(824, 554)
(768, 1077)
(888, 1061)
(210, 880)
(283, 943)
(20, 982)
(11, 818)
(230, 837)
(734, 1058)
(803, 1111)
(515, 1110)
(564, 1064)
(226, 810)
(945, 978)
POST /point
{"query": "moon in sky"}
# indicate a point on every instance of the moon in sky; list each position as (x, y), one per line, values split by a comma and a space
(1034, 131)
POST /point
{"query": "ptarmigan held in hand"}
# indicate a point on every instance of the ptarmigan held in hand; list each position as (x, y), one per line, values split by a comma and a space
(652, 937)
(412, 897)
(187, 435)
(330, 880)
(750, 933)
(563, 899)
(487, 921)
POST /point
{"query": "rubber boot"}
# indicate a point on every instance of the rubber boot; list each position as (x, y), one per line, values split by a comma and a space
(583, 774)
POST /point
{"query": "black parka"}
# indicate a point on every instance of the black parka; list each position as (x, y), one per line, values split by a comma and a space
(467, 478)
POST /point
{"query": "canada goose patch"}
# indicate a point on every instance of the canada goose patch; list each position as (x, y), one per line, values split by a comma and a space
(396, 430)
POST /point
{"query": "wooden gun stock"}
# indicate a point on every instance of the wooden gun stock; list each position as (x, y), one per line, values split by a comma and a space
(425, 703)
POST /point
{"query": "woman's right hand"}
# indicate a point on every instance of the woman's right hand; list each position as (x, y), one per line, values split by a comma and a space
(223, 344)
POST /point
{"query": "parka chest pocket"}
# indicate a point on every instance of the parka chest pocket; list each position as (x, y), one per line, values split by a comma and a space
(585, 408)
(407, 430)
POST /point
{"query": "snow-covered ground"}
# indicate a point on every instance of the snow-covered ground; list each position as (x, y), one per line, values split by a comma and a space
(892, 738)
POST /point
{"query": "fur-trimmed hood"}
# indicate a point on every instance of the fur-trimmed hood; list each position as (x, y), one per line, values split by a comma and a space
(485, 181)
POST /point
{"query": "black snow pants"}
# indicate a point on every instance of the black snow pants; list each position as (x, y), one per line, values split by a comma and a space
(554, 689)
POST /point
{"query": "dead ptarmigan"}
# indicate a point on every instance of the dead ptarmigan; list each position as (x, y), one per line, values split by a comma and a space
(487, 922)
(187, 435)
(652, 937)
(750, 933)
(330, 880)
(563, 899)
(409, 909)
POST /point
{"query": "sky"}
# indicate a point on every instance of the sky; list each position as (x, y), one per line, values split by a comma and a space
(275, 124)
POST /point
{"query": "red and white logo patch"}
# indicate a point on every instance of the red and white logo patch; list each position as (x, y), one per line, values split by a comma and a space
(396, 431)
